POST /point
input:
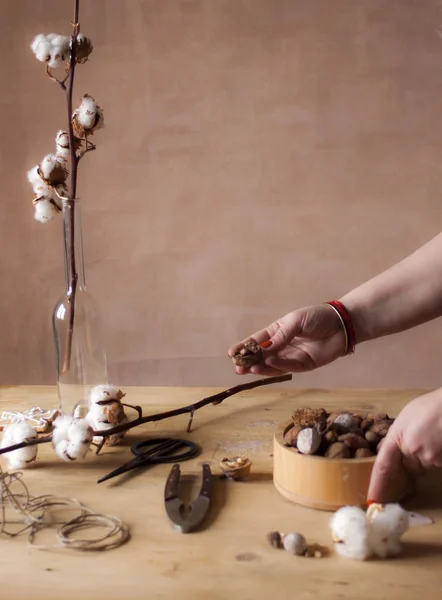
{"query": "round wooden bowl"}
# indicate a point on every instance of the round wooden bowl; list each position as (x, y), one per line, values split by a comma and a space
(326, 483)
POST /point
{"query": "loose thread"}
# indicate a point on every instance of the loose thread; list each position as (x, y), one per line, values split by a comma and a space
(36, 513)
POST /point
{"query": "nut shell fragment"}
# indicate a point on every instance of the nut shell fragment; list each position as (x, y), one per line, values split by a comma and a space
(236, 468)
(250, 354)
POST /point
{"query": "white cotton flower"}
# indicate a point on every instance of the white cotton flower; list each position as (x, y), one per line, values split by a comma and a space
(53, 169)
(71, 438)
(105, 393)
(88, 117)
(350, 533)
(387, 524)
(52, 49)
(41, 46)
(15, 433)
(62, 145)
(45, 210)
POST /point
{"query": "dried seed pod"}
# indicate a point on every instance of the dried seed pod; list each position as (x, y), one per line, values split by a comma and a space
(366, 424)
(308, 441)
(247, 356)
(363, 453)
(295, 543)
(379, 416)
(381, 428)
(346, 423)
(291, 435)
(309, 417)
(338, 450)
(274, 539)
(330, 437)
(372, 437)
(353, 441)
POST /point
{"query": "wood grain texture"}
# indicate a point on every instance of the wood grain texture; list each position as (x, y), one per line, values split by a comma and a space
(230, 558)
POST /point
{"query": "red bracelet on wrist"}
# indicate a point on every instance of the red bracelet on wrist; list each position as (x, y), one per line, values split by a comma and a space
(347, 325)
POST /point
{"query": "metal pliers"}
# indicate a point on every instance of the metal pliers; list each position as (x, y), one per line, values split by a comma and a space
(198, 509)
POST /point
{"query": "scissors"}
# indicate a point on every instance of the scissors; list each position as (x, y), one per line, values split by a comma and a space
(154, 452)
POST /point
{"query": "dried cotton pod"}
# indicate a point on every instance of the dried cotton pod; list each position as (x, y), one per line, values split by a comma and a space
(84, 48)
(308, 441)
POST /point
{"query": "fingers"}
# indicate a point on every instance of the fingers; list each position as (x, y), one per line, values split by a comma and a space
(260, 337)
(387, 465)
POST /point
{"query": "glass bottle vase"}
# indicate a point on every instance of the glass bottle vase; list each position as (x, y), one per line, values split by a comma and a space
(77, 324)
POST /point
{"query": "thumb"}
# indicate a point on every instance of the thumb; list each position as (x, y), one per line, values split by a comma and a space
(387, 466)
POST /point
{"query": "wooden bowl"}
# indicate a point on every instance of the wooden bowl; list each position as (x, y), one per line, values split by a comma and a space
(326, 483)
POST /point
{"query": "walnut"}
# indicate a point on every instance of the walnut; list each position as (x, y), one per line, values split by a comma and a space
(309, 417)
(247, 356)
(291, 435)
(353, 441)
(338, 450)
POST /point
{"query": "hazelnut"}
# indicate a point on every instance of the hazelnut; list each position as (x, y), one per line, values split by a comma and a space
(247, 356)
(366, 424)
(338, 450)
(363, 453)
(381, 428)
(295, 543)
(308, 441)
(330, 436)
(274, 539)
(353, 441)
(372, 437)
(291, 435)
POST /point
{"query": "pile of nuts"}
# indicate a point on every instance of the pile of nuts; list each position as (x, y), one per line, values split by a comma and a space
(337, 435)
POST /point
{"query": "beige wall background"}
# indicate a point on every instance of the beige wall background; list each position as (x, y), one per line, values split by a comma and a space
(258, 155)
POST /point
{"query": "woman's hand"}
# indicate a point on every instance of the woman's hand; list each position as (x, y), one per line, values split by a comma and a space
(302, 340)
(413, 442)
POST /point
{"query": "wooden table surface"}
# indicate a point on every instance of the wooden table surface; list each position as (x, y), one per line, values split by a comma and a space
(230, 558)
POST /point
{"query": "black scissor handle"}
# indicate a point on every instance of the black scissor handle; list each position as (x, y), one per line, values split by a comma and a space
(164, 450)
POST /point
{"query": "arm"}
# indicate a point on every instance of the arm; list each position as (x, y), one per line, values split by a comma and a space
(406, 295)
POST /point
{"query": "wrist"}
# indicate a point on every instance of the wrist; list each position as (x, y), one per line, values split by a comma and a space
(347, 326)
(359, 317)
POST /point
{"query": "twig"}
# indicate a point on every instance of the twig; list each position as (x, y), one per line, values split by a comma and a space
(70, 204)
(191, 408)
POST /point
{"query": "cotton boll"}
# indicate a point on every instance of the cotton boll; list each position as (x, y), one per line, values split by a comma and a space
(350, 533)
(41, 46)
(15, 433)
(105, 393)
(387, 524)
(53, 170)
(45, 210)
(71, 438)
(88, 117)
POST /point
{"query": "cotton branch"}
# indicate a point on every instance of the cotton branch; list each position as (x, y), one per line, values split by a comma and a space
(140, 420)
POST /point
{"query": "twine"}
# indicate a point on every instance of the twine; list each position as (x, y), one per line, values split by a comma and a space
(35, 513)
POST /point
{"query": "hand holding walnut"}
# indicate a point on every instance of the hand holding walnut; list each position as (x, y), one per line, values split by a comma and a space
(302, 340)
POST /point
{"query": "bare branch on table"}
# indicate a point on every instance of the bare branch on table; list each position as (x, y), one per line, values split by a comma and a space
(140, 420)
